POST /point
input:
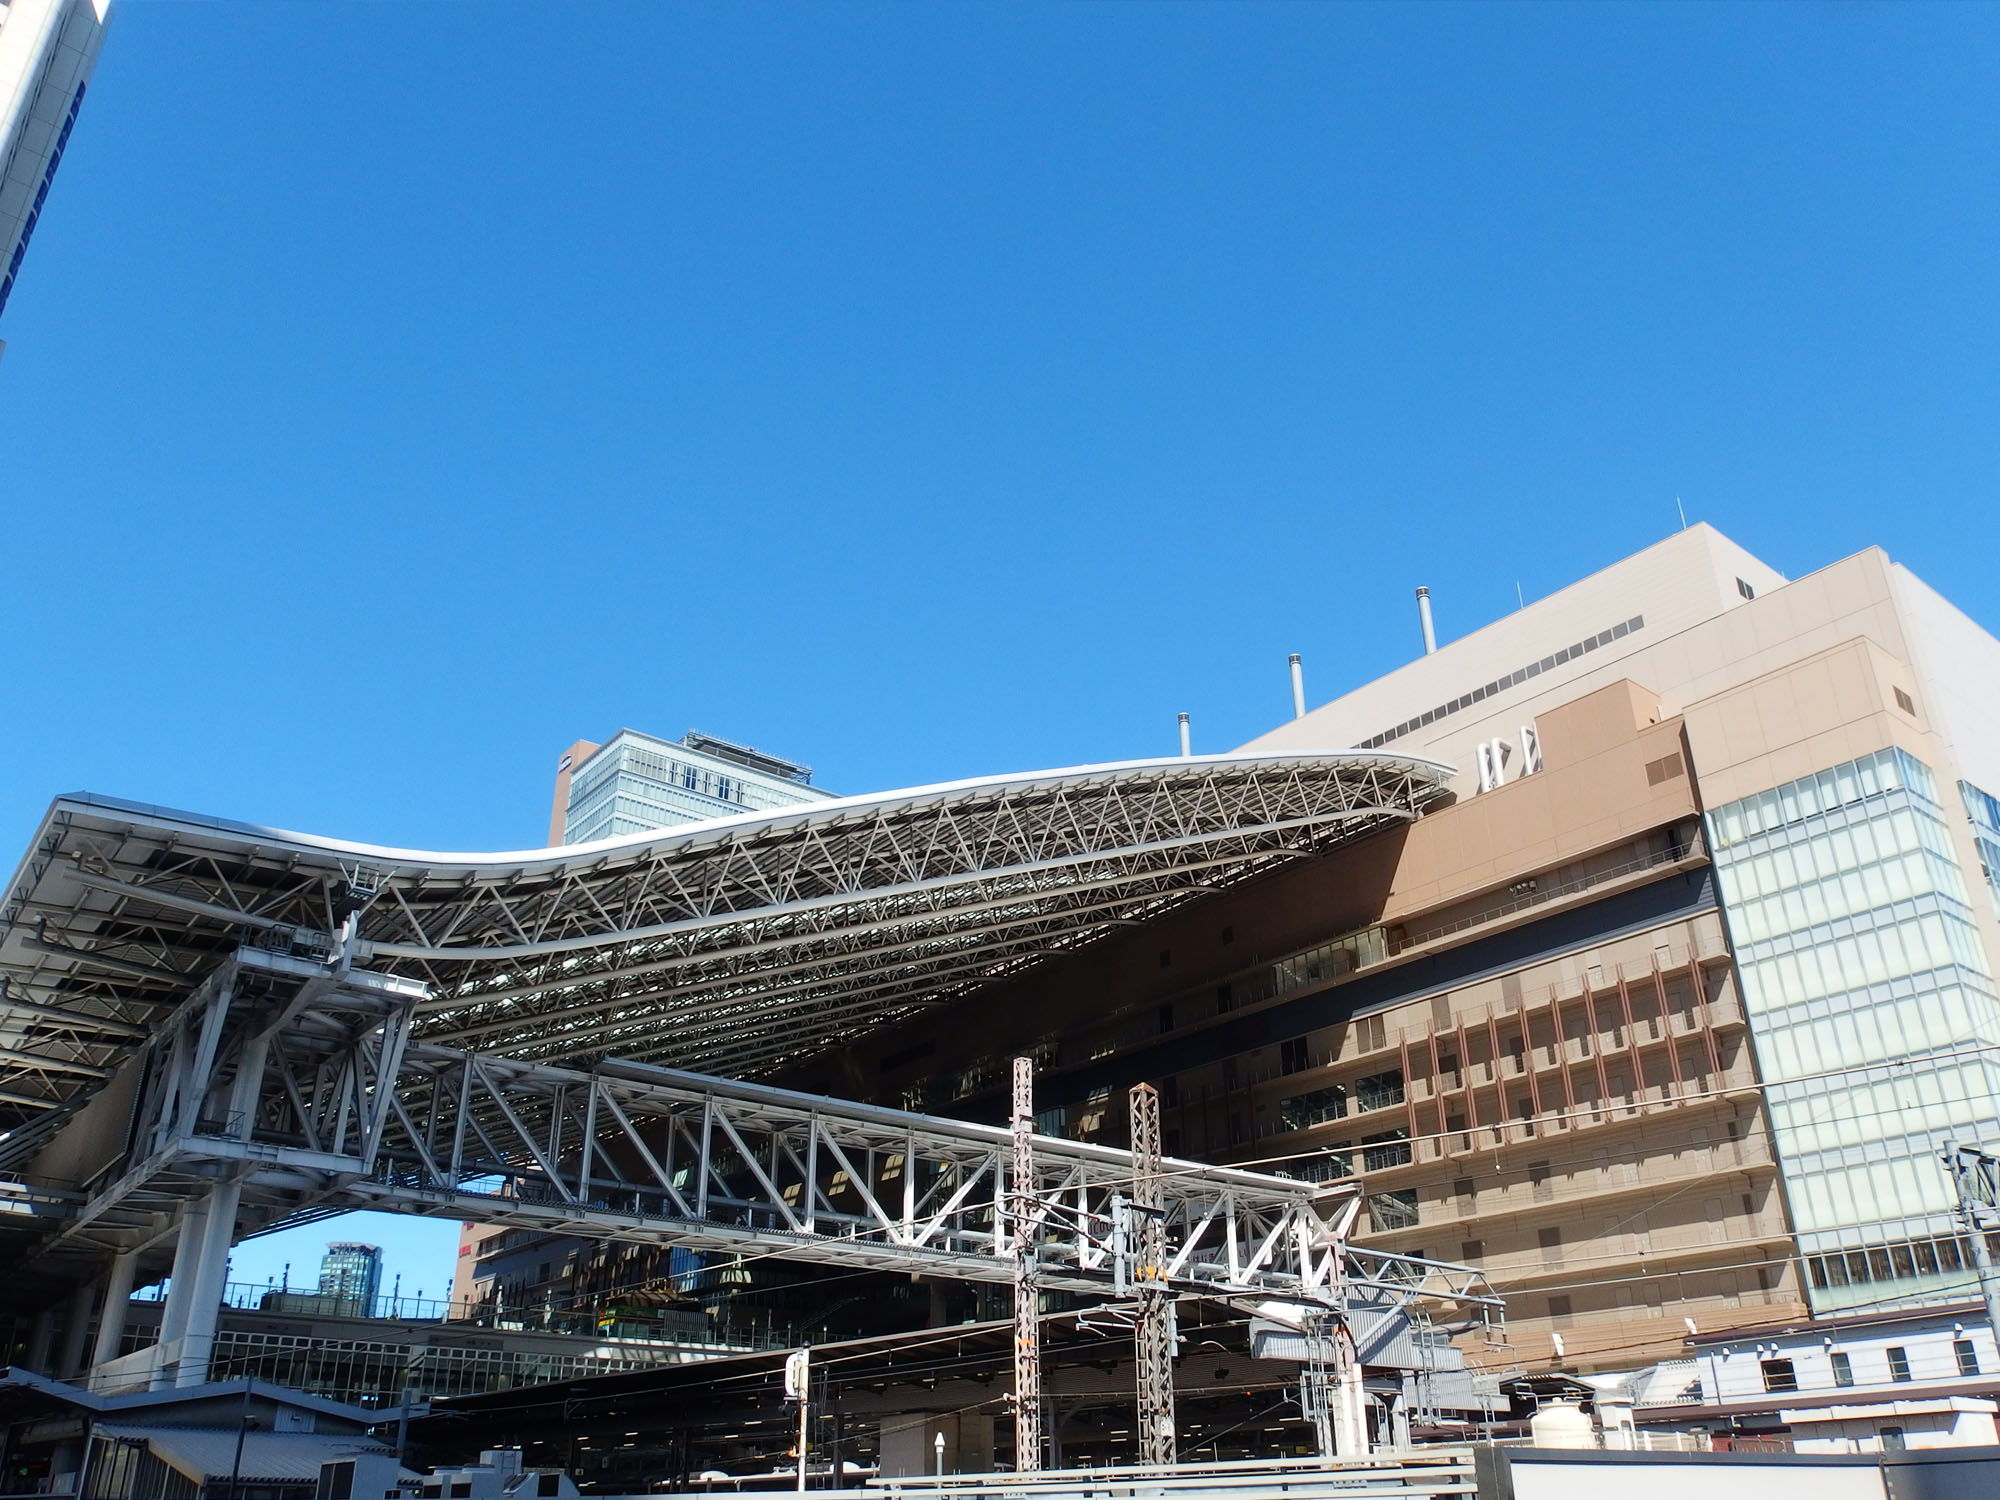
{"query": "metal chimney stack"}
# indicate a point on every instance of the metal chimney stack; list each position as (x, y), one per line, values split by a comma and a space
(1424, 614)
(1187, 748)
(1298, 688)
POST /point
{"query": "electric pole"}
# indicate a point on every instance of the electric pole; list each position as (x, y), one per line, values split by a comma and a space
(1975, 1179)
(1027, 1301)
(1155, 1328)
(798, 1387)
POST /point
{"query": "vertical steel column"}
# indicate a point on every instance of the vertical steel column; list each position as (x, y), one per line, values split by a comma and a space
(211, 1274)
(1965, 1174)
(180, 1282)
(75, 1331)
(1316, 1388)
(117, 1297)
(1155, 1328)
(41, 1344)
(1027, 1301)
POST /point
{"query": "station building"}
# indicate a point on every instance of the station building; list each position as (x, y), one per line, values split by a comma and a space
(1659, 1022)
(1636, 948)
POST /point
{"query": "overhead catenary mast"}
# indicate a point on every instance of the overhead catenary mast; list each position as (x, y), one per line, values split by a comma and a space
(1027, 1299)
(1155, 1329)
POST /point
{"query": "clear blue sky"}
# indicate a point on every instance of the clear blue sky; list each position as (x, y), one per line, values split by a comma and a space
(394, 394)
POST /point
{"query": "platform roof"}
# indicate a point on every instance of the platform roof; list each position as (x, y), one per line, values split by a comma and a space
(731, 946)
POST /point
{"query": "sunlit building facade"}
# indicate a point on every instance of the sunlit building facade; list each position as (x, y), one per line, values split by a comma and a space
(634, 783)
(1661, 1021)
(1658, 1021)
(47, 51)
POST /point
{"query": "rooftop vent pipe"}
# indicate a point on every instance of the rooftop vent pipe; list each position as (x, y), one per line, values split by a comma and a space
(1187, 748)
(1298, 688)
(1424, 614)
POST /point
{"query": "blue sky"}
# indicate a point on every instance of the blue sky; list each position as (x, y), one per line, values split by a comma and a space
(395, 394)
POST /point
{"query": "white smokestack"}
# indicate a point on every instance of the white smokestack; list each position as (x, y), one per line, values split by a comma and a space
(1298, 688)
(1424, 614)
(1186, 747)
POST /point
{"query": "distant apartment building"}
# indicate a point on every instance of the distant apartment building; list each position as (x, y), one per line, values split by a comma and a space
(47, 51)
(350, 1278)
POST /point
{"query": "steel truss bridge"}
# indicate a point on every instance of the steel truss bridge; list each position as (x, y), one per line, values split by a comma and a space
(290, 1083)
(345, 1110)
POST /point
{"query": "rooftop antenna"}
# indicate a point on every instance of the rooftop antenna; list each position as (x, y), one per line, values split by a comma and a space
(1298, 688)
(1424, 618)
(1683, 510)
(1520, 599)
(1186, 747)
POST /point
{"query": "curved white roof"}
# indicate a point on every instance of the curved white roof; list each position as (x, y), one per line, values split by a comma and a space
(729, 946)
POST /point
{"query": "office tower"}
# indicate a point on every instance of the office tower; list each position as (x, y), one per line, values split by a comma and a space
(350, 1276)
(634, 783)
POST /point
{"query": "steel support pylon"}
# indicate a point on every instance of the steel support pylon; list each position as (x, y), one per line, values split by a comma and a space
(1975, 1180)
(1154, 1331)
(1027, 1300)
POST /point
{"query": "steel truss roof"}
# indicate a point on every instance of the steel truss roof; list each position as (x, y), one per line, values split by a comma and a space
(730, 946)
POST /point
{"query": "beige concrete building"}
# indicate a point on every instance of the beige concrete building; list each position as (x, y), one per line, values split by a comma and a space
(1659, 1022)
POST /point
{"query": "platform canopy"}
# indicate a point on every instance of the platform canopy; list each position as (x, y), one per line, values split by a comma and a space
(731, 946)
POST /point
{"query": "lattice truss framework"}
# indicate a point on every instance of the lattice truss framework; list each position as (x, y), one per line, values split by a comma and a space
(301, 1086)
(731, 947)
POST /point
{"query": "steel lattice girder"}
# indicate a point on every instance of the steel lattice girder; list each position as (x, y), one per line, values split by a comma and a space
(298, 1081)
(731, 946)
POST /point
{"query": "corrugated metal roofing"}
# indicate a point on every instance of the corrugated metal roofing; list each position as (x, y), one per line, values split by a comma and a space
(204, 1453)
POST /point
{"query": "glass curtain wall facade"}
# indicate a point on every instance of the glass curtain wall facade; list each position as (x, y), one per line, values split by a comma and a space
(1875, 1017)
(350, 1277)
(636, 783)
(1983, 808)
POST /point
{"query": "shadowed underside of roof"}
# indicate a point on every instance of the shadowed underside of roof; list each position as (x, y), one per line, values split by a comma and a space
(731, 946)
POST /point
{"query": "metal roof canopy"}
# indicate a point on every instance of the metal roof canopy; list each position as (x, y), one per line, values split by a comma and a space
(729, 946)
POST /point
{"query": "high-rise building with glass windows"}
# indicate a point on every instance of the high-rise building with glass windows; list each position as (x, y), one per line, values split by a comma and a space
(350, 1278)
(634, 783)
(1870, 994)
(47, 51)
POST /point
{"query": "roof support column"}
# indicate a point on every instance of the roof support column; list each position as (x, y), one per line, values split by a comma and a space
(43, 1340)
(211, 1270)
(80, 1303)
(180, 1282)
(117, 1298)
